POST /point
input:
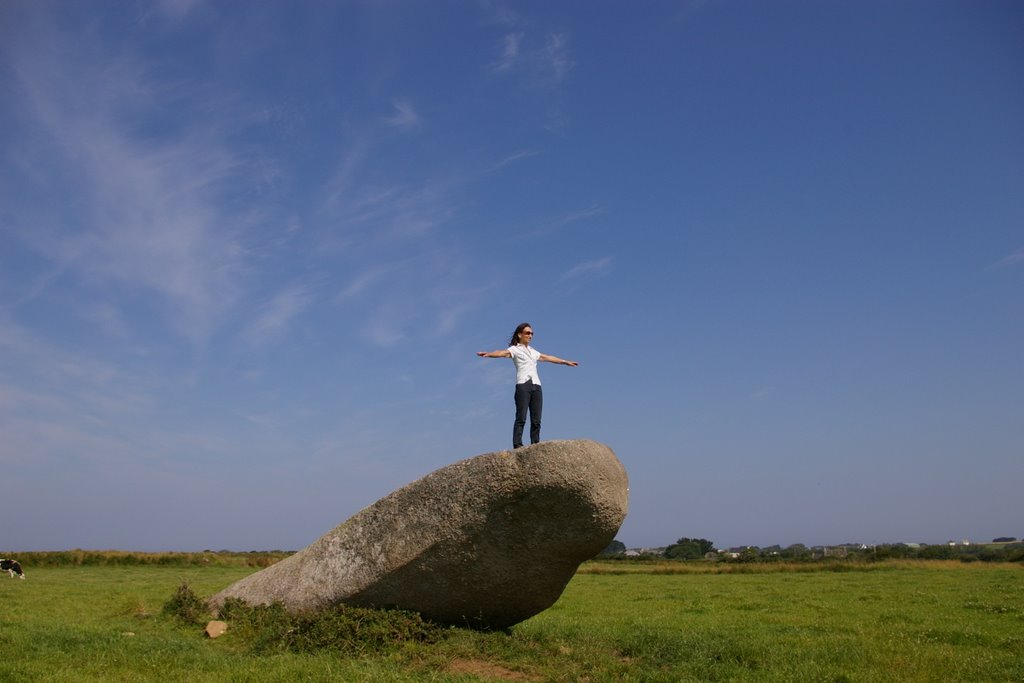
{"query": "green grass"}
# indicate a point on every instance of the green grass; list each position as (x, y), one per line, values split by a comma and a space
(910, 621)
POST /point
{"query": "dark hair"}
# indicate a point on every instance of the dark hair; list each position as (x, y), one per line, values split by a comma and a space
(515, 335)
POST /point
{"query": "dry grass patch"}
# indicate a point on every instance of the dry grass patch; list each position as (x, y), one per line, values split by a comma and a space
(488, 671)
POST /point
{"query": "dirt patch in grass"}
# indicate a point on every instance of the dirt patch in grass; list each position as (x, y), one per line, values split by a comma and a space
(488, 670)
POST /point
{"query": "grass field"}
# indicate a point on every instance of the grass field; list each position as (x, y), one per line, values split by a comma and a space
(900, 621)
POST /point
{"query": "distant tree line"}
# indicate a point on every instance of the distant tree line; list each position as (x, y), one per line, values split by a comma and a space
(114, 558)
(1006, 552)
(689, 549)
(1003, 549)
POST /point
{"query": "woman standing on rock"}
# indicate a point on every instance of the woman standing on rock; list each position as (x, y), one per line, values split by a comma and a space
(528, 392)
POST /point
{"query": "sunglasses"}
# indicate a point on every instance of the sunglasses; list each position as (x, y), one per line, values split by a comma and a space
(529, 333)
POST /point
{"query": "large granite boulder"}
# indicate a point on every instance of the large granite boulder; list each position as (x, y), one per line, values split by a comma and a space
(486, 542)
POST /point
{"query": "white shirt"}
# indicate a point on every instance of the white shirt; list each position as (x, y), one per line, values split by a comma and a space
(525, 358)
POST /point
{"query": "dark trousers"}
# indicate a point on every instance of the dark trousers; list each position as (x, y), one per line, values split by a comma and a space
(528, 395)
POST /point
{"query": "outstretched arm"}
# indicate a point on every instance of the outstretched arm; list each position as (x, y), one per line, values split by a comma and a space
(555, 359)
(501, 353)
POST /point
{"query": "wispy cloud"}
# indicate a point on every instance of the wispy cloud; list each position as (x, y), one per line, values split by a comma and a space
(62, 403)
(584, 214)
(567, 219)
(397, 298)
(390, 230)
(359, 207)
(557, 56)
(594, 268)
(512, 158)
(362, 283)
(404, 116)
(145, 210)
(437, 307)
(448, 316)
(107, 318)
(338, 188)
(177, 9)
(274, 318)
(382, 331)
(40, 283)
(688, 9)
(509, 53)
(1009, 261)
(499, 13)
(544, 62)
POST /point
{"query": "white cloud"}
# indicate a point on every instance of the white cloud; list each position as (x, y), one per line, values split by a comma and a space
(512, 158)
(107, 318)
(596, 267)
(404, 117)
(557, 56)
(542, 63)
(448, 316)
(383, 331)
(393, 267)
(144, 207)
(1009, 261)
(356, 208)
(27, 353)
(579, 215)
(340, 184)
(499, 13)
(272, 323)
(571, 217)
(361, 283)
(177, 9)
(509, 52)
(63, 404)
(397, 297)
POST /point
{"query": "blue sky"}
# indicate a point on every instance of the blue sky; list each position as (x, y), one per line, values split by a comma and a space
(249, 251)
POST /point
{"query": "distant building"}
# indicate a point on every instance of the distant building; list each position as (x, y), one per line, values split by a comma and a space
(644, 552)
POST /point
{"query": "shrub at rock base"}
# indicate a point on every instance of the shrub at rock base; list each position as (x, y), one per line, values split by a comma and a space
(349, 630)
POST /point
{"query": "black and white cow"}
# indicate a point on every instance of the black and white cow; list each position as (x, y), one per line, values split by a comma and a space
(12, 567)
